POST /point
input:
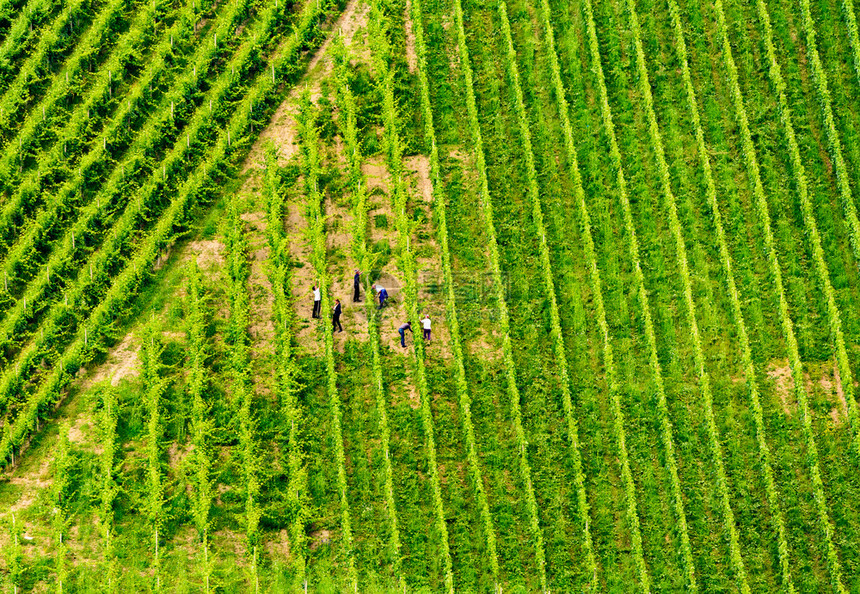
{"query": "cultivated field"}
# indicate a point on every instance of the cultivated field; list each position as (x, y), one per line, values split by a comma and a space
(632, 223)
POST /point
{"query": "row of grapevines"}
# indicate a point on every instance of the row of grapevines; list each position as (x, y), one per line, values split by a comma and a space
(70, 77)
(821, 268)
(316, 226)
(154, 386)
(287, 372)
(92, 333)
(853, 37)
(546, 269)
(360, 254)
(61, 492)
(597, 290)
(45, 116)
(504, 323)
(107, 485)
(242, 389)
(135, 212)
(834, 144)
(795, 363)
(201, 424)
(30, 17)
(384, 73)
(773, 496)
(653, 361)
(735, 555)
(452, 320)
(25, 196)
(146, 139)
(819, 78)
(37, 65)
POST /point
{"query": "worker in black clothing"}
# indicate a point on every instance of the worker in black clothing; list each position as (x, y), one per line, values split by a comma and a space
(356, 285)
(335, 316)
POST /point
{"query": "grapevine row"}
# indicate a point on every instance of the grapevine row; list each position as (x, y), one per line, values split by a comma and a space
(439, 199)
(61, 492)
(853, 38)
(70, 81)
(15, 325)
(155, 131)
(287, 370)
(819, 80)
(316, 225)
(70, 76)
(153, 387)
(361, 257)
(22, 27)
(795, 363)
(92, 333)
(201, 425)
(32, 70)
(730, 525)
(645, 308)
(242, 389)
(597, 291)
(546, 266)
(380, 45)
(108, 488)
(773, 496)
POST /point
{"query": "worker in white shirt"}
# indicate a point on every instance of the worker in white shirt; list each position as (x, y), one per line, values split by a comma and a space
(317, 301)
(425, 323)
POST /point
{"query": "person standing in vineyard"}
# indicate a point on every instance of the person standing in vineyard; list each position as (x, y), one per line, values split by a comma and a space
(356, 285)
(425, 322)
(317, 302)
(402, 330)
(335, 316)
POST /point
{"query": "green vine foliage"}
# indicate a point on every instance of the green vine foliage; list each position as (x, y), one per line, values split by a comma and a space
(70, 80)
(154, 386)
(819, 80)
(406, 261)
(317, 236)
(242, 395)
(61, 495)
(729, 523)
(24, 236)
(360, 254)
(52, 40)
(773, 495)
(108, 485)
(761, 205)
(666, 431)
(96, 217)
(439, 200)
(201, 423)
(288, 372)
(90, 335)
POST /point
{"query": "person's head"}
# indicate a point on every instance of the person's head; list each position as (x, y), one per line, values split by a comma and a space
(337, 301)
(357, 271)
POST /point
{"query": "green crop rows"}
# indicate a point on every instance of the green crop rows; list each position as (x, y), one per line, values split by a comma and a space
(631, 224)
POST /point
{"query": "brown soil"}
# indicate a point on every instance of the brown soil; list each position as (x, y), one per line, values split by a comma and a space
(780, 373)
(318, 538)
(411, 56)
(839, 413)
(122, 362)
